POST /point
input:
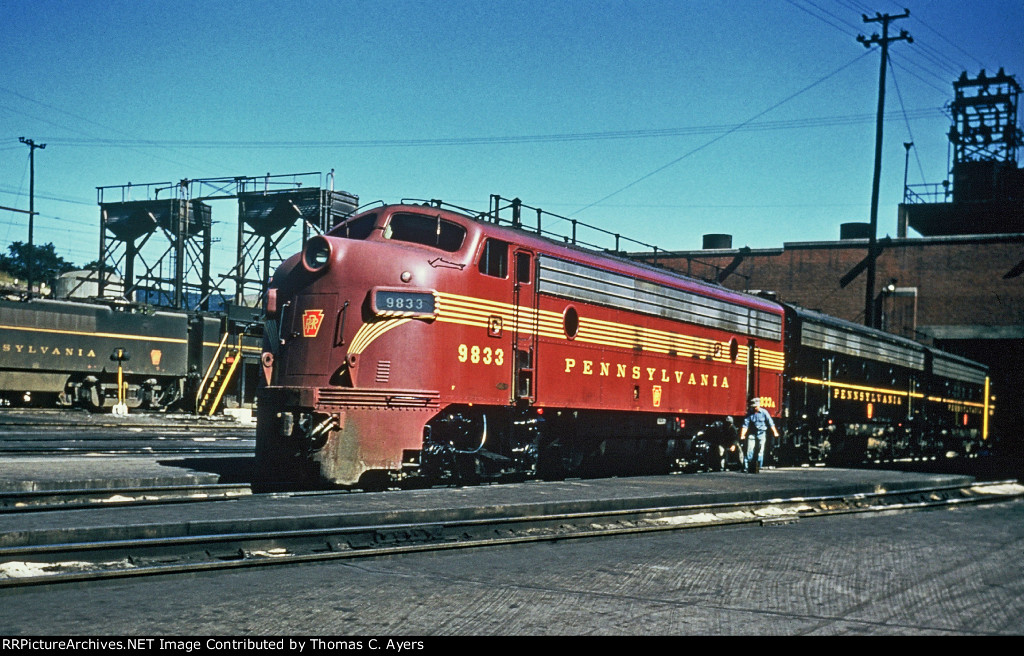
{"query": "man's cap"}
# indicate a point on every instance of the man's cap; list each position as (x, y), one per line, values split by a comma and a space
(755, 401)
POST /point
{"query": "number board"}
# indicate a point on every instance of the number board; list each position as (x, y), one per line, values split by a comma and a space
(403, 303)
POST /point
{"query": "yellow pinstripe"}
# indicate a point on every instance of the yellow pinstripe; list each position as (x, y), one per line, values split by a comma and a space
(478, 313)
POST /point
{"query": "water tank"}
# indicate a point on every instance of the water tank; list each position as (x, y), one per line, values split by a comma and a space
(130, 220)
(85, 284)
(717, 241)
(855, 231)
(269, 212)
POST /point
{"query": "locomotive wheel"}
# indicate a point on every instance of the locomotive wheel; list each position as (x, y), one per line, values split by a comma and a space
(721, 456)
(718, 458)
(467, 470)
(559, 460)
(733, 458)
(94, 398)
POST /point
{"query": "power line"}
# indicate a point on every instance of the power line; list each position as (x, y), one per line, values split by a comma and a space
(896, 64)
(939, 58)
(910, 133)
(81, 119)
(947, 40)
(942, 66)
(855, 7)
(822, 19)
(933, 55)
(722, 136)
(18, 192)
(659, 133)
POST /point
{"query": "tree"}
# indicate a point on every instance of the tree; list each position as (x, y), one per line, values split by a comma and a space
(46, 264)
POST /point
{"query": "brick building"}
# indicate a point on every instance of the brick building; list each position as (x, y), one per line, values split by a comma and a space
(960, 286)
(949, 291)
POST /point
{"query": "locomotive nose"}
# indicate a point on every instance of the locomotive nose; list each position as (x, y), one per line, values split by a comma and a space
(317, 254)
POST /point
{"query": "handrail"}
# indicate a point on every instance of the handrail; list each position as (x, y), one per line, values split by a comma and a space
(931, 192)
(227, 376)
(215, 359)
(498, 205)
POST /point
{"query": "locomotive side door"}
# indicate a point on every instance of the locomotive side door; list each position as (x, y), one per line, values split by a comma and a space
(524, 335)
(752, 373)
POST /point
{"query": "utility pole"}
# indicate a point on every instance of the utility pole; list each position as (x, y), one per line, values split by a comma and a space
(869, 302)
(32, 145)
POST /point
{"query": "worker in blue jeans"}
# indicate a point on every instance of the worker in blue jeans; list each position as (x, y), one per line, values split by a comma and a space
(755, 432)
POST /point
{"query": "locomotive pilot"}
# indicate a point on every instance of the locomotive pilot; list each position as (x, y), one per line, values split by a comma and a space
(755, 431)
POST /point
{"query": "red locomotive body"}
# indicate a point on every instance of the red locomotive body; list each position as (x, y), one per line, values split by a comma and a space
(413, 340)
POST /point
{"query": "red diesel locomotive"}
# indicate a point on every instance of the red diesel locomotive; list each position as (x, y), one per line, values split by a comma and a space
(416, 342)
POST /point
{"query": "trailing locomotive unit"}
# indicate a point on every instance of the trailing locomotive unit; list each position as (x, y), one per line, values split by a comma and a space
(416, 341)
(957, 405)
(854, 393)
(60, 353)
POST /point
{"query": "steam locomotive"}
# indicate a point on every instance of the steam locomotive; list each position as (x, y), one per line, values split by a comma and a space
(418, 343)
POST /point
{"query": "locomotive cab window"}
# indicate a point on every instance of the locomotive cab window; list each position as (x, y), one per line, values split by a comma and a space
(360, 228)
(426, 230)
(494, 259)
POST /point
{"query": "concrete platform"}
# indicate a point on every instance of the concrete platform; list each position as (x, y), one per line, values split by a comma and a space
(276, 512)
(53, 473)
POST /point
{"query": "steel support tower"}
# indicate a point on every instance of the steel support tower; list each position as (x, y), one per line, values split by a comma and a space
(176, 271)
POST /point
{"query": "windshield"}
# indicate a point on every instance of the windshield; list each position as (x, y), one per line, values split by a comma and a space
(426, 230)
(359, 228)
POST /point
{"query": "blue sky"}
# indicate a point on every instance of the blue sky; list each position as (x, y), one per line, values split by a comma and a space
(660, 120)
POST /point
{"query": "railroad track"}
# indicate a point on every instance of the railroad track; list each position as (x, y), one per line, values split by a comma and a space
(95, 560)
(73, 499)
(154, 448)
(80, 418)
(125, 440)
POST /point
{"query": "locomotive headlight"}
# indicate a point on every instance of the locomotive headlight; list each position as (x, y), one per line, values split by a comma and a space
(316, 254)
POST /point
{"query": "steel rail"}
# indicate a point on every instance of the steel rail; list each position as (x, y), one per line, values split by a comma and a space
(143, 419)
(20, 501)
(56, 563)
(157, 450)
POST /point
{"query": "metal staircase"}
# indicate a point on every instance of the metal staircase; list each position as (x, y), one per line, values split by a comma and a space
(212, 388)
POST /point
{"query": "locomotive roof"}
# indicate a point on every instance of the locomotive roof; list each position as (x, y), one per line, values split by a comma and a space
(946, 364)
(587, 256)
(819, 317)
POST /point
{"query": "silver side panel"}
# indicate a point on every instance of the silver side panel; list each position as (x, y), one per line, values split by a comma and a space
(587, 284)
(837, 340)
